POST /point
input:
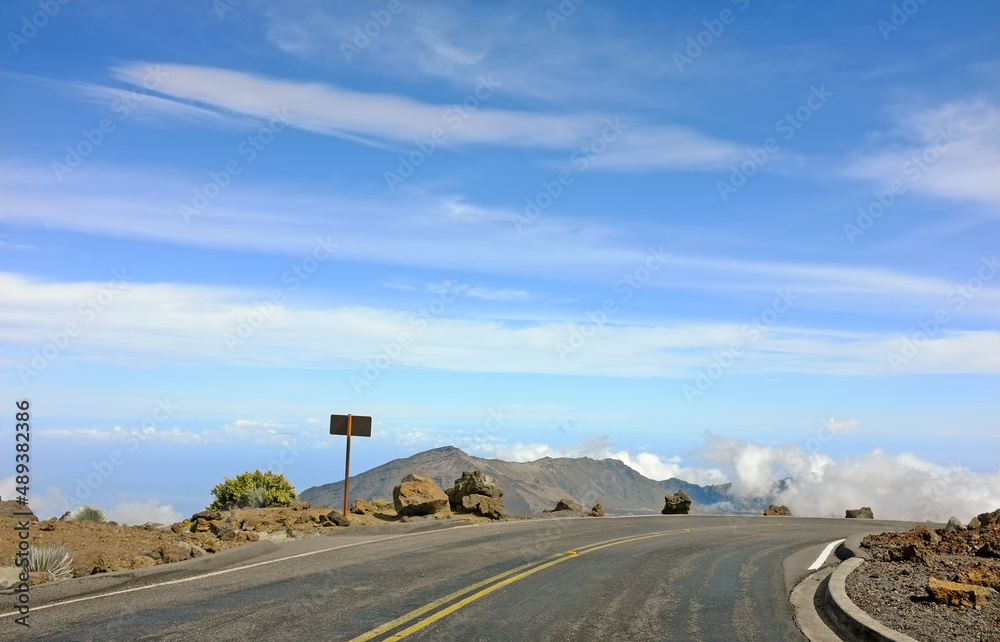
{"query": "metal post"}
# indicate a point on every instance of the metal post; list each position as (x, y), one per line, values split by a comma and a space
(347, 467)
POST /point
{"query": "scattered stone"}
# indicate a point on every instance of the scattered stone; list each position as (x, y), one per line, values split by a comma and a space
(565, 504)
(991, 550)
(859, 513)
(337, 519)
(954, 524)
(143, 561)
(483, 505)
(47, 526)
(677, 504)
(777, 511)
(596, 511)
(362, 507)
(910, 553)
(419, 495)
(980, 575)
(956, 594)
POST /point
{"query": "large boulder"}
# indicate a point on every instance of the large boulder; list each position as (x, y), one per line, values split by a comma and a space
(596, 511)
(777, 511)
(985, 519)
(954, 524)
(859, 513)
(419, 495)
(677, 504)
(483, 505)
(361, 507)
(565, 505)
(474, 482)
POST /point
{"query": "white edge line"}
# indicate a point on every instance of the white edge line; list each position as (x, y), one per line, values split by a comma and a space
(825, 554)
(229, 570)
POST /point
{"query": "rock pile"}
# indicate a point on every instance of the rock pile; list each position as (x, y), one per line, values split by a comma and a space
(477, 493)
(946, 556)
(677, 504)
(777, 511)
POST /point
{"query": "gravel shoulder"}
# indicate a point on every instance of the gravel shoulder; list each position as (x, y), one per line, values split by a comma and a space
(892, 585)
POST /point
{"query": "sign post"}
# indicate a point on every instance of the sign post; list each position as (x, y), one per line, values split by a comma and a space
(349, 425)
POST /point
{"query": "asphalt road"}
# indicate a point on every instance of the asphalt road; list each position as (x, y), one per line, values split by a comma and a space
(628, 578)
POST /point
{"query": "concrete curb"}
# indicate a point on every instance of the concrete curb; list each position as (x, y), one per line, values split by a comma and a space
(847, 615)
(851, 547)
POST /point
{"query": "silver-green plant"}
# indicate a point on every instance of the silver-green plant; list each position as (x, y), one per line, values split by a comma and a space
(88, 513)
(256, 495)
(51, 558)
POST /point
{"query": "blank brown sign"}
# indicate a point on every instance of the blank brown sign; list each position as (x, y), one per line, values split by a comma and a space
(360, 426)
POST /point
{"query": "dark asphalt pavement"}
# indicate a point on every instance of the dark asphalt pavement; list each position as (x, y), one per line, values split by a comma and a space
(626, 578)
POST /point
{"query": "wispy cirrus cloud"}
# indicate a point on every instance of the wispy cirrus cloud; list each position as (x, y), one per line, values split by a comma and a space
(190, 323)
(951, 150)
(391, 118)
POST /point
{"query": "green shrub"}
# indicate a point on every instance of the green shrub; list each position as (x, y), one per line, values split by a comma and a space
(54, 559)
(381, 502)
(253, 490)
(88, 513)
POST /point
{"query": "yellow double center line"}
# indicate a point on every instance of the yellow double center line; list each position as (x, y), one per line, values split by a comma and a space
(491, 584)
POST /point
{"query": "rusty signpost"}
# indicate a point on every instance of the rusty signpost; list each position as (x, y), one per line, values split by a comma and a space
(349, 425)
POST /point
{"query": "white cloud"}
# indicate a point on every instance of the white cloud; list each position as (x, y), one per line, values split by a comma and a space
(143, 512)
(381, 118)
(959, 144)
(191, 323)
(903, 487)
(647, 464)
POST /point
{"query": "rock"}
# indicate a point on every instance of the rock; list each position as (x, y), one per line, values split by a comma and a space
(11, 509)
(677, 504)
(362, 507)
(209, 515)
(924, 533)
(337, 519)
(177, 527)
(775, 511)
(143, 561)
(956, 594)
(474, 482)
(170, 553)
(985, 519)
(954, 524)
(47, 526)
(991, 550)
(301, 505)
(566, 504)
(66, 516)
(222, 530)
(909, 553)
(974, 523)
(596, 511)
(859, 513)
(484, 505)
(200, 525)
(419, 495)
(9, 576)
(980, 575)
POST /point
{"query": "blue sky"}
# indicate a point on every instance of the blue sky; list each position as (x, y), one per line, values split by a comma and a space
(720, 241)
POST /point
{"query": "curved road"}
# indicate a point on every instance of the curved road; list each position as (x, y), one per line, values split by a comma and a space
(677, 577)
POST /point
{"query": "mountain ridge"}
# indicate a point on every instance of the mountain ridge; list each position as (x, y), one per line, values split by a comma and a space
(530, 487)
